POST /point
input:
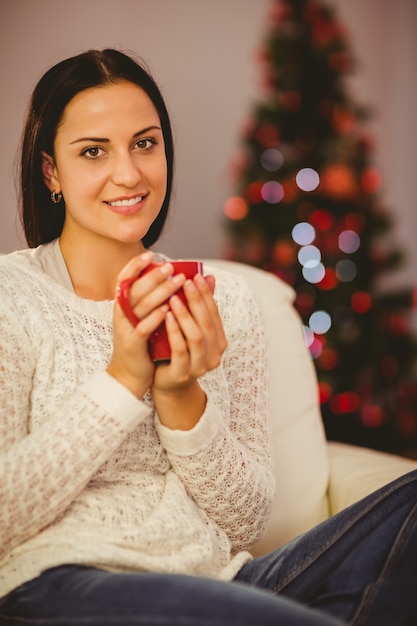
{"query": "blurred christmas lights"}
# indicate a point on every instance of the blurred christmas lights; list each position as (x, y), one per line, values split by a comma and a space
(307, 179)
(303, 233)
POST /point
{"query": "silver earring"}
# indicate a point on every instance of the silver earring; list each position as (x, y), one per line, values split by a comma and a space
(56, 197)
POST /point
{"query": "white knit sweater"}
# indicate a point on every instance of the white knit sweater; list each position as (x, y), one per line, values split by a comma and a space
(88, 474)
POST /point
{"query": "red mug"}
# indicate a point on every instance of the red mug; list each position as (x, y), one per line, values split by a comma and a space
(159, 347)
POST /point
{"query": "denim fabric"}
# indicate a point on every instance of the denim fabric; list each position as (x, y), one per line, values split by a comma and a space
(360, 565)
(359, 568)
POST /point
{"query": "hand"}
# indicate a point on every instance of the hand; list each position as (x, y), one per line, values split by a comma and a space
(198, 341)
(130, 363)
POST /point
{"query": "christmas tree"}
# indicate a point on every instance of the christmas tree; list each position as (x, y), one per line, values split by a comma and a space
(308, 208)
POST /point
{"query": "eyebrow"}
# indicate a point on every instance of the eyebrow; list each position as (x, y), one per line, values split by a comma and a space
(105, 140)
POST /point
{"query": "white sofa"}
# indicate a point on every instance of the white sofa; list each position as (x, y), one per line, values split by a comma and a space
(315, 478)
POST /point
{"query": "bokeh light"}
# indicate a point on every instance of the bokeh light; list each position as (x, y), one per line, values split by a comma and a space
(272, 192)
(371, 180)
(306, 297)
(328, 359)
(314, 274)
(271, 159)
(325, 392)
(303, 233)
(307, 179)
(322, 220)
(316, 348)
(361, 302)
(344, 402)
(372, 416)
(309, 256)
(329, 280)
(346, 270)
(235, 208)
(320, 322)
(253, 192)
(349, 241)
(308, 336)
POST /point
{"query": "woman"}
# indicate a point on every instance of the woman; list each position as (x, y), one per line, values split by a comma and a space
(131, 492)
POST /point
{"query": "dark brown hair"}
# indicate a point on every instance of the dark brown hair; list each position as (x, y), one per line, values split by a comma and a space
(41, 219)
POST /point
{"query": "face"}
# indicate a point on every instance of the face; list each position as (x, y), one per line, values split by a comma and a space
(109, 164)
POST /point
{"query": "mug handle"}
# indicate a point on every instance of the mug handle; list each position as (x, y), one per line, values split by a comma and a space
(122, 295)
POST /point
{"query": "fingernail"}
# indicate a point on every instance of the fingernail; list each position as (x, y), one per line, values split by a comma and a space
(175, 302)
(169, 317)
(178, 279)
(190, 287)
(199, 279)
(167, 269)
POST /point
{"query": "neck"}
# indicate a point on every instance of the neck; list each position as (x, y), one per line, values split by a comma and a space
(93, 266)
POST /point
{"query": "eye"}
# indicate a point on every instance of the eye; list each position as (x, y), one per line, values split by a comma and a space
(146, 143)
(92, 153)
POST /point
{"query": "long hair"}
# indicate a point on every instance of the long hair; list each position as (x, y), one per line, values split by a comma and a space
(42, 220)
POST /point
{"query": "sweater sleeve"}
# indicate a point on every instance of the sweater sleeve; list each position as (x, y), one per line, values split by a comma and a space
(43, 469)
(225, 460)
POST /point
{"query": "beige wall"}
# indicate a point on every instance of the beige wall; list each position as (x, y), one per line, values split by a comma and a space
(201, 53)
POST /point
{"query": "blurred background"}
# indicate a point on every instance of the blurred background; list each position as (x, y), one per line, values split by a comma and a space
(209, 61)
(203, 54)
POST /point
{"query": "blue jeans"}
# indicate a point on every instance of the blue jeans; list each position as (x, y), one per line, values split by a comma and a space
(359, 567)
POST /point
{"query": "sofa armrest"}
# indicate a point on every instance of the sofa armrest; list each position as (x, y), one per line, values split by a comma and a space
(355, 472)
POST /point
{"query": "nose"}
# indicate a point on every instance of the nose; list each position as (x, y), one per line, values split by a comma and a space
(126, 170)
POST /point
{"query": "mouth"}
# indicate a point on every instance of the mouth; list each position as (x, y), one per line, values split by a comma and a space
(126, 206)
(126, 202)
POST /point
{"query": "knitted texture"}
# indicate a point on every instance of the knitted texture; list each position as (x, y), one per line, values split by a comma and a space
(89, 475)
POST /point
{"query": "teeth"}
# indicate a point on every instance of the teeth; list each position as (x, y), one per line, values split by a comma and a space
(130, 202)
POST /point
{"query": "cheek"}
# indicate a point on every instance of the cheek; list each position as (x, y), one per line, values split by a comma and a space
(76, 183)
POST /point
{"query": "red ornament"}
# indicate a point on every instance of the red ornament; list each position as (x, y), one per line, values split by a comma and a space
(321, 220)
(284, 252)
(329, 281)
(235, 208)
(372, 416)
(371, 180)
(253, 192)
(268, 136)
(328, 359)
(397, 325)
(305, 299)
(361, 302)
(346, 402)
(324, 392)
(338, 181)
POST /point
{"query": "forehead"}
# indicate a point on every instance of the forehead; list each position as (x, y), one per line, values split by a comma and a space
(123, 102)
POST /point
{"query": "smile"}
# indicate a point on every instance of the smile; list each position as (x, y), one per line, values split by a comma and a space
(127, 202)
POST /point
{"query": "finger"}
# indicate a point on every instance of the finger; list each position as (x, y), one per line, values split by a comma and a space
(136, 265)
(154, 289)
(180, 356)
(196, 341)
(206, 311)
(200, 336)
(138, 295)
(211, 282)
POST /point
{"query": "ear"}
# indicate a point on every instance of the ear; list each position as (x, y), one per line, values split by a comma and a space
(49, 172)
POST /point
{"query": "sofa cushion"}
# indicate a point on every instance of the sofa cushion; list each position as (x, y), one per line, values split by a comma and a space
(298, 440)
